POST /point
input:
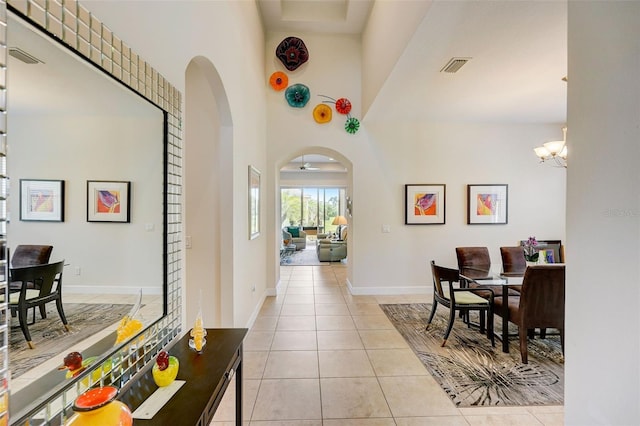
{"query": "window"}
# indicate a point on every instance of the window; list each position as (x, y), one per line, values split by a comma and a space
(312, 208)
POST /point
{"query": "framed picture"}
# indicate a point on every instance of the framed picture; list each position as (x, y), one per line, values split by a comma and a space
(487, 204)
(42, 200)
(424, 204)
(108, 201)
(254, 202)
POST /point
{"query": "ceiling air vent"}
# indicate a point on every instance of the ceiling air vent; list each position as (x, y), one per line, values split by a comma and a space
(454, 64)
(23, 56)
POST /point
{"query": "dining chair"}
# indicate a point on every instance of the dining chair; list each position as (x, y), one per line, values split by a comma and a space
(48, 281)
(28, 255)
(513, 260)
(540, 304)
(478, 258)
(458, 299)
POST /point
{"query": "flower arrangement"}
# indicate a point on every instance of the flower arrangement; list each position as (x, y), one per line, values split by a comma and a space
(531, 250)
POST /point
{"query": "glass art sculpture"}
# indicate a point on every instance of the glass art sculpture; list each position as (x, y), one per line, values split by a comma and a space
(322, 114)
(292, 52)
(352, 125)
(165, 369)
(99, 406)
(129, 325)
(297, 95)
(198, 334)
(279, 81)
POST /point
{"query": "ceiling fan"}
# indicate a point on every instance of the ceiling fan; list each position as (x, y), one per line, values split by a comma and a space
(307, 166)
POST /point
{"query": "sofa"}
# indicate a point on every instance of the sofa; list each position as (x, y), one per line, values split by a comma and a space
(332, 250)
(295, 235)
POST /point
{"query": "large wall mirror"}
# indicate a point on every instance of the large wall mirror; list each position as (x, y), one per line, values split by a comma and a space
(68, 121)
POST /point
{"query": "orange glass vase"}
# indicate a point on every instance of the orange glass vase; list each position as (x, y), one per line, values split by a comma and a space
(99, 407)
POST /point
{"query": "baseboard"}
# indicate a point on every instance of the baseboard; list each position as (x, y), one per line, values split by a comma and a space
(387, 291)
(102, 289)
(256, 310)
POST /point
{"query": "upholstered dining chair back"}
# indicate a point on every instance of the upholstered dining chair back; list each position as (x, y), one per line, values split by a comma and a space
(542, 297)
(29, 255)
(513, 259)
(473, 257)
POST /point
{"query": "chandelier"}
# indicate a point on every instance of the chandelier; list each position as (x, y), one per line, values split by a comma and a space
(554, 152)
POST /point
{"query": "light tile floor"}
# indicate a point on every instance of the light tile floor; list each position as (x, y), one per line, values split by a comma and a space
(318, 356)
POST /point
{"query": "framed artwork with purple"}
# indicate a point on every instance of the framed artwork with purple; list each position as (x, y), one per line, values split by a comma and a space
(424, 204)
(487, 204)
(108, 201)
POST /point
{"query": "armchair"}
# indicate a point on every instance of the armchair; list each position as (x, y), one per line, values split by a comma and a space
(296, 236)
(331, 251)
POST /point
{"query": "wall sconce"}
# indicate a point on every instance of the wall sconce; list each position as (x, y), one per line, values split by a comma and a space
(554, 151)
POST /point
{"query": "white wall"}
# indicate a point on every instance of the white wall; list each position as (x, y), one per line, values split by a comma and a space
(603, 296)
(116, 257)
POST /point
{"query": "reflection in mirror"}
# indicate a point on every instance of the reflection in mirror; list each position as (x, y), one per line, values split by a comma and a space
(69, 121)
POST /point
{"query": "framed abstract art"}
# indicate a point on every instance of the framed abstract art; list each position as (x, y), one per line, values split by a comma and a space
(487, 204)
(424, 204)
(108, 201)
(42, 200)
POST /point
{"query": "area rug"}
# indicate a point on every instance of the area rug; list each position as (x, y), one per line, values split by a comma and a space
(471, 371)
(50, 337)
(306, 257)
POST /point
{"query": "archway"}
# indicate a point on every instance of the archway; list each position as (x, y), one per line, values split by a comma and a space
(208, 277)
(346, 182)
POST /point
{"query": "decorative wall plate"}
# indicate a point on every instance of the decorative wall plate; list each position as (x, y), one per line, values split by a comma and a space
(297, 95)
(292, 52)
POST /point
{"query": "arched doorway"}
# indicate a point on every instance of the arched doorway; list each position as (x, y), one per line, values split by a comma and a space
(317, 173)
(208, 278)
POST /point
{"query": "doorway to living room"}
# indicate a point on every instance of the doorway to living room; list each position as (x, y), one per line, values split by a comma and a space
(313, 211)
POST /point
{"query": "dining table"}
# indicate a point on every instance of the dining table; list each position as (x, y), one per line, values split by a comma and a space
(506, 281)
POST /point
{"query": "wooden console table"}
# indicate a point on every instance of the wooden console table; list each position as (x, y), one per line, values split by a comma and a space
(207, 377)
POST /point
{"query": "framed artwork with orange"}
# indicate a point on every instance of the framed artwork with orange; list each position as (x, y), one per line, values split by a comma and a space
(108, 201)
(487, 204)
(424, 204)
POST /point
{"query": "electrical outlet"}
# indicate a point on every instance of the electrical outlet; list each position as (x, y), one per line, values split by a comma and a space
(188, 242)
(386, 229)
(77, 270)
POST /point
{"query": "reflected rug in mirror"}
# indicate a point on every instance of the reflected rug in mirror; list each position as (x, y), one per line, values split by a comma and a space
(471, 371)
(50, 337)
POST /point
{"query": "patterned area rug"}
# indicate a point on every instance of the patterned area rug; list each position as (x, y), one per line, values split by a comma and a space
(472, 372)
(308, 256)
(50, 337)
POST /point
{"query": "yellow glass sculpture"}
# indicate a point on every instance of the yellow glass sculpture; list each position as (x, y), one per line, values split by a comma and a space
(198, 334)
(129, 325)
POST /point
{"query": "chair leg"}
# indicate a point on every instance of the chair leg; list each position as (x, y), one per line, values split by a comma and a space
(490, 332)
(543, 333)
(61, 313)
(452, 317)
(522, 332)
(562, 339)
(22, 316)
(481, 321)
(433, 312)
(43, 312)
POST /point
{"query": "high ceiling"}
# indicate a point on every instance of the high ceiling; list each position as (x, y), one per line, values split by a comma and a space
(518, 52)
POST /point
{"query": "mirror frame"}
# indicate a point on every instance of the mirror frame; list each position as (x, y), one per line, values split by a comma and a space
(75, 27)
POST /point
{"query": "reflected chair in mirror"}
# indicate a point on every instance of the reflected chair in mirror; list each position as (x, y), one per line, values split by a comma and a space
(48, 282)
(28, 255)
(540, 304)
(458, 299)
(513, 261)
